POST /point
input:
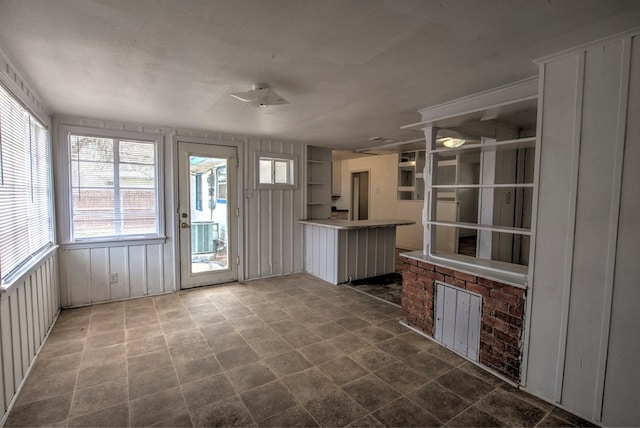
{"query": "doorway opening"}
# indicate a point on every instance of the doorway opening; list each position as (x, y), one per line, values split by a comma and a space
(360, 195)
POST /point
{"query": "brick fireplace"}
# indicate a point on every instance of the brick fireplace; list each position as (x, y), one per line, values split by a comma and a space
(502, 315)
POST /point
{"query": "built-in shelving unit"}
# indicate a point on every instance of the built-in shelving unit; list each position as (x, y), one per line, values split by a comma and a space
(520, 143)
(318, 182)
(495, 187)
(410, 175)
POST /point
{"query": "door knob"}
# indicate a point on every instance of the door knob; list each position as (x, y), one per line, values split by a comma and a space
(184, 225)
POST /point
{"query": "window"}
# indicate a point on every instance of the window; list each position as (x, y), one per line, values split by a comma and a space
(26, 210)
(221, 181)
(481, 200)
(114, 187)
(275, 171)
(198, 191)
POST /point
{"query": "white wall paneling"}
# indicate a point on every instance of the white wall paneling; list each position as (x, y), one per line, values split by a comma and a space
(86, 273)
(28, 308)
(143, 267)
(585, 282)
(273, 243)
(621, 378)
(270, 241)
(341, 255)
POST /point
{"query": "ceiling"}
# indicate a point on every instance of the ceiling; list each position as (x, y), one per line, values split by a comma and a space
(351, 69)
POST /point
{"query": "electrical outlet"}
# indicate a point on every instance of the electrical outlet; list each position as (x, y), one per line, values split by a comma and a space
(113, 278)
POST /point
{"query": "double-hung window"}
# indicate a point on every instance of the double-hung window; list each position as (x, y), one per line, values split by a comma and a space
(26, 209)
(115, 190)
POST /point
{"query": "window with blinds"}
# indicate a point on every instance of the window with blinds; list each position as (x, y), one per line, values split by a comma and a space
(26, 208)
(114, 187)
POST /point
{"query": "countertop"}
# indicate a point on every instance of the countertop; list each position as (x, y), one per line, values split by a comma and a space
(356, 224)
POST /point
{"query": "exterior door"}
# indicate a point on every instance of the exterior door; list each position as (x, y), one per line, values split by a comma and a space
(208, 214)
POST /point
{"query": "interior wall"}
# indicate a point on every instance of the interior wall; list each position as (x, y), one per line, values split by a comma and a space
(31, 302)
(383, 196)
(143, 267)
(583, 342)
(273, 243)
(620, 405)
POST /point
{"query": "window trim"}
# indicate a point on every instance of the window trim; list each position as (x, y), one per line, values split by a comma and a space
(293, 159)
(66, 187)
(18, 272)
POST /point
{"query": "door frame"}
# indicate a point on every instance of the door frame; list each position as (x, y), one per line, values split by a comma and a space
(173, 214)
(351, 177)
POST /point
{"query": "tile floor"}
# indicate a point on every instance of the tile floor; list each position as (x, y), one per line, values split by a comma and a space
(386, 287)
(287, 351)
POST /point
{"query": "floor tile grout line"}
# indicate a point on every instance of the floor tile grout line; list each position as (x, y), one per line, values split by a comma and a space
(75, 388)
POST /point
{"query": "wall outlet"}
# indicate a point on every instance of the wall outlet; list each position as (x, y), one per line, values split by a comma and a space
(113, 278)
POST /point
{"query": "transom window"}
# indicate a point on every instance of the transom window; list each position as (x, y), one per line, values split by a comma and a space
(275, 171)
(114, 187)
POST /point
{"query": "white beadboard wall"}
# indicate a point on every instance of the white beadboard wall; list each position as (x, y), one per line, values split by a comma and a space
(27, 310)
(340, 255)
(85, 273)
(583, 340)
(273, 242)
(271, 239)
(144, 267)
(29, 306)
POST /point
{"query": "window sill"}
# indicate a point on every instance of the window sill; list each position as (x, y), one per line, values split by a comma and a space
(506, 273)
(27, 269)
(111, 242)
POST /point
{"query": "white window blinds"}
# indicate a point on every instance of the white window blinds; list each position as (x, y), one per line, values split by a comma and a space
(26, 210)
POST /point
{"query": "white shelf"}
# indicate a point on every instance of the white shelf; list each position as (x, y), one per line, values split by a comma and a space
(318, 183)
(475, 226)
(406, 188)
(519, 143)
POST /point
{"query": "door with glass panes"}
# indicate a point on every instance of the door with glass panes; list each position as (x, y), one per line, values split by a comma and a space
(208, 221)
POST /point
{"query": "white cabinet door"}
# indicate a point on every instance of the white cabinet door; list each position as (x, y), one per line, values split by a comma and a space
(458, 320)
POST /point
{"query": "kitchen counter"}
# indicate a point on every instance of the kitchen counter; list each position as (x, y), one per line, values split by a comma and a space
(356, 224)
(340, 251)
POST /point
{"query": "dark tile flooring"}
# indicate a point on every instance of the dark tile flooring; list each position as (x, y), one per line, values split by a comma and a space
(286, 351)
(386, 287)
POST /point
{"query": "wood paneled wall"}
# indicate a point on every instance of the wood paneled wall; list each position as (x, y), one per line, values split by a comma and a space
(27, 311)
(273, 242)
(583, 341)
(85, 273)
(271, 239)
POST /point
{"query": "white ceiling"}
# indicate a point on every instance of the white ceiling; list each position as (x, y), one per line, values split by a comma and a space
(352, 69)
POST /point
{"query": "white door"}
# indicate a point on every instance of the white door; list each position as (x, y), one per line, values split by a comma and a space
(208, 214)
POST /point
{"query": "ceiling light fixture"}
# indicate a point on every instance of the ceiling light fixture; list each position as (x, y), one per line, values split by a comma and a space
(452, 143)
(260, 96)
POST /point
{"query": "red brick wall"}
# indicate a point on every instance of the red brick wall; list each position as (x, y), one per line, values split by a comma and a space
(502, 311)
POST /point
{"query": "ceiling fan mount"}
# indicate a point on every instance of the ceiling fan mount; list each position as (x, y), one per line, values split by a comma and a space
(261, 95)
